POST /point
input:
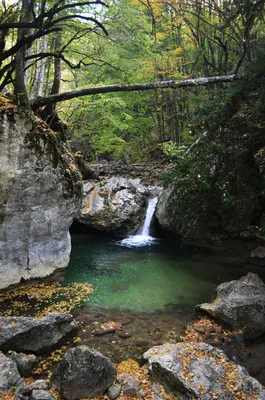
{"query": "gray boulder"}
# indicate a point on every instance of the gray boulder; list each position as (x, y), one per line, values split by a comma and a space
(41, 395)
(10, 379)
(130, 387)
(114, 205)
(114, 391)
(25, 334)
(241, 304)
(201, 371)
(24, 362)
(84, 373)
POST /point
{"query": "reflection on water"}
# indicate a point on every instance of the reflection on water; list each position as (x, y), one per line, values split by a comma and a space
(151, 278)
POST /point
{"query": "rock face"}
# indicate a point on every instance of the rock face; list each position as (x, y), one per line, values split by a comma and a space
(38, 200)
(9, 375)
(84, 373)
(164, 214)
(241, 304)
(115, 205)
(202, 372)
(26, 334)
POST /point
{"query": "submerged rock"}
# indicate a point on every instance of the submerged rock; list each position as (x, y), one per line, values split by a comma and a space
(115, 205)
(202, 372)
(84, 373)
(25, 334)
(241, 304)
(39, 198)
(10, 379)
(258, 256)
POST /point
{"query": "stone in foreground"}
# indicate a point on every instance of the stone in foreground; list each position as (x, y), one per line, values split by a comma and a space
(241, 304)
(9, 375)
(25, 334)
(41, 395)
(202, 372)
(23, 361)
(84, 373)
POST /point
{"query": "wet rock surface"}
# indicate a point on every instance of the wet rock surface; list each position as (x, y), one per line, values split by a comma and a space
(241, 304)
(115, 205)
(25, 334)
(84, 373)
(201, 371)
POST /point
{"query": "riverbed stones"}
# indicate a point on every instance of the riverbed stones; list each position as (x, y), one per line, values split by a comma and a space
(84, 373)
(115, 205)
(41, 395)
(26, 334)
(10, 378)
(130, 387)
(201, 371)
(114, 391)
(23, 361)
(40, 384)
(241, 304)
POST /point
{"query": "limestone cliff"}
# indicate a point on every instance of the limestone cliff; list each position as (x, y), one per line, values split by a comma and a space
(39, 197)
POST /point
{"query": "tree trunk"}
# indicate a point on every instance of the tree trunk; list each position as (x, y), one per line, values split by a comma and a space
(133, 87)
(21, 95)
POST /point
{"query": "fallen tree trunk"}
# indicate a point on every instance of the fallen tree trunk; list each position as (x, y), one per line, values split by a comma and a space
(133, 87)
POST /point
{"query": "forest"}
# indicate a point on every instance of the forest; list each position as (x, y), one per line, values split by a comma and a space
(47, 47)
(132, 192)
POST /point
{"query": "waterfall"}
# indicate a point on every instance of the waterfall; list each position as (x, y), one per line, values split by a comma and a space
(142, 237)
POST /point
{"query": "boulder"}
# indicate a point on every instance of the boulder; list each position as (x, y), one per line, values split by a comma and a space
(115, 205)
(201, 371)
(130, 387)
(40, 194)
(114, 392)
(41, 395)
(258, 256)
(25, 334)
(240, 304)
(10, 379)
(38, 385)
(84, 373)
(24, 362)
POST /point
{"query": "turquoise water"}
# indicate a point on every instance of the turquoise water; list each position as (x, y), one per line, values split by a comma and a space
(146, 279)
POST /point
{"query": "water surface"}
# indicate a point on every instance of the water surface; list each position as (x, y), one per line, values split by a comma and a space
(150, 278)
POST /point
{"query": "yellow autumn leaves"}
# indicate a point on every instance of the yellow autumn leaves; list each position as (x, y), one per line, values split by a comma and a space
(38, 299)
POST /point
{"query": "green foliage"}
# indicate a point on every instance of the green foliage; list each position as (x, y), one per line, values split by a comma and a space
(219, 185)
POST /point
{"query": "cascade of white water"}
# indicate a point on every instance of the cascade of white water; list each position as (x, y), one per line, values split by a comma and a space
(143, 237)
(149, 215)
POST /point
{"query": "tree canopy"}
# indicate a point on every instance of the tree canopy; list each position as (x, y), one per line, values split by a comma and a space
(49, 48)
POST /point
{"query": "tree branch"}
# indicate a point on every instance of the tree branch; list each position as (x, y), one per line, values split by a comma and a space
(133, 87)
